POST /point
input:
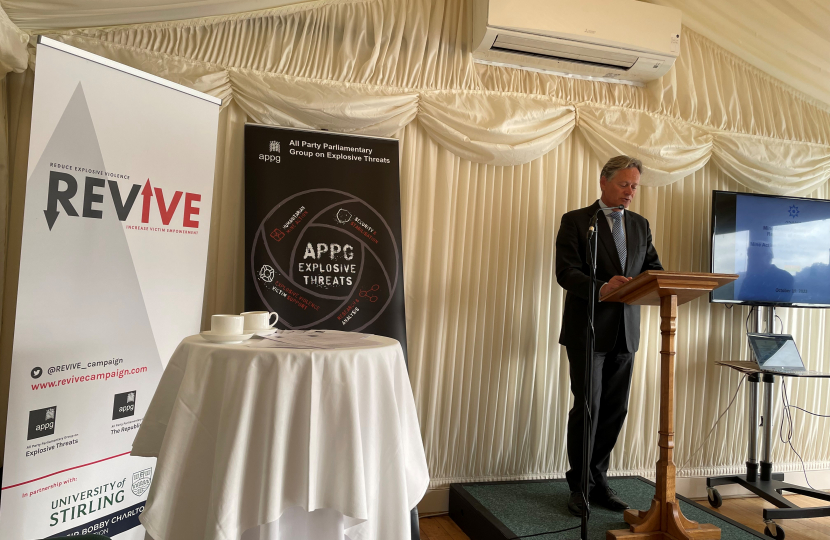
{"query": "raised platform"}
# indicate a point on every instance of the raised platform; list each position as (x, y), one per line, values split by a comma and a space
(538, 508)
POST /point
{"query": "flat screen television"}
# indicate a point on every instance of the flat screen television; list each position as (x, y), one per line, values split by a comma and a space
(779, 246)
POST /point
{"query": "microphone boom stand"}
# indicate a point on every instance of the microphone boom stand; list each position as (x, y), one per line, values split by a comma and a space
(588, 382)
(587, 421)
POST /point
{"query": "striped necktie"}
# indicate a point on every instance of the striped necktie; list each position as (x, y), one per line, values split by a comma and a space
(619, 237)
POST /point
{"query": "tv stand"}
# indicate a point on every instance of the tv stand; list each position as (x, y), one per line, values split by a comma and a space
(765, 483)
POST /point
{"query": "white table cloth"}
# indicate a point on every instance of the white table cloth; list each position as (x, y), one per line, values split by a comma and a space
(246, 435)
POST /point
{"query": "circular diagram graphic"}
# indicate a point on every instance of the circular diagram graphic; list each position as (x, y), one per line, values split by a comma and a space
(266, 273)
(324, 258)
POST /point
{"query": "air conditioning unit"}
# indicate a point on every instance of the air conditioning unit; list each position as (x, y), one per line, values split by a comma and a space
(609, 40)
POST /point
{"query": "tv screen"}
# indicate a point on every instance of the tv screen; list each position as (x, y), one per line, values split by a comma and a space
(778, 246)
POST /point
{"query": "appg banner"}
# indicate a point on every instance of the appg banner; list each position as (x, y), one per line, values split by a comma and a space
(323, 230)
(112, 270)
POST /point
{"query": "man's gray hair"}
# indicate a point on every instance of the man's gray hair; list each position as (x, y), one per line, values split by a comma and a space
(616, 164)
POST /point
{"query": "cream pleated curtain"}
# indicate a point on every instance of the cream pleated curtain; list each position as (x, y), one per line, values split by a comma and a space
(490, 160)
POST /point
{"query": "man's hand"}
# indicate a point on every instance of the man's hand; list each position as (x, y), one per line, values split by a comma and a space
(615, 283)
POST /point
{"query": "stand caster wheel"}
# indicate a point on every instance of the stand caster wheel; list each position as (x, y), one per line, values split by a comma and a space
(715, 500)
(779, 532)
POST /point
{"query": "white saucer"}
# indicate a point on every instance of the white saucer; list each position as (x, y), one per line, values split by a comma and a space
(260, 331)
(225, 338)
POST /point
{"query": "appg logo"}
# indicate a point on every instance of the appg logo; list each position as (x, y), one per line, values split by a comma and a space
(123, 405)
(42, 423)
(273, 146)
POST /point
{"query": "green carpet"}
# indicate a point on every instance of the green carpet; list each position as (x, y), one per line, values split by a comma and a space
(529, 508)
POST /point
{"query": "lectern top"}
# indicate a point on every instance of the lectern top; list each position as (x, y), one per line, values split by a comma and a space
(647, 288)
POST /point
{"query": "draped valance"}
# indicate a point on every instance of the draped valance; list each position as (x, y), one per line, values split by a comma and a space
(491, 127)
(13, 41)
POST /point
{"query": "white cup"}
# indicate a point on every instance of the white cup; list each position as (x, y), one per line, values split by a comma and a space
(260, 320)
(227, 324)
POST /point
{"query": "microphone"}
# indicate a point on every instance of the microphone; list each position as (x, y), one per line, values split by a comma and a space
(593, 223)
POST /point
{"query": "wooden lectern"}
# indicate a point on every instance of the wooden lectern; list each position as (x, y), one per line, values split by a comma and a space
(667, 290)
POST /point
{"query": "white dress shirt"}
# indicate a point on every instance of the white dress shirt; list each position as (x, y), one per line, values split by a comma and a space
(607, 211)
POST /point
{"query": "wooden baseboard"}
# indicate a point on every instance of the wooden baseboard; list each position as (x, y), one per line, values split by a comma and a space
(435, 502)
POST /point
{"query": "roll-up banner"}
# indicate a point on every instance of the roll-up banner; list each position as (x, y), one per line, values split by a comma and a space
(112, 272)
(323, 230)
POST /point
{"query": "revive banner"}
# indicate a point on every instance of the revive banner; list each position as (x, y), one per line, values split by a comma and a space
(323, 230)
(112, 271)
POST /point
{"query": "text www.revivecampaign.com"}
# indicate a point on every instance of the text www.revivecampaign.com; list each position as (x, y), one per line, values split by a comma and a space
(118, 374)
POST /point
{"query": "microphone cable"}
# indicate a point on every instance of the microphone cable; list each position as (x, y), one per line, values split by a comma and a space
(549, 532)
(591, 336)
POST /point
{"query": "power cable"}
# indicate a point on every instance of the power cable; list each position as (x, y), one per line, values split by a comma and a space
(746, 321)
(731, 402)
(789, 440)
(809, 412)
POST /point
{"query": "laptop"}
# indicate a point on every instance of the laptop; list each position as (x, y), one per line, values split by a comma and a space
(777, 354)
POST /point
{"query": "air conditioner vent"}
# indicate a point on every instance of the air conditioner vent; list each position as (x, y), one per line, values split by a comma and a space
(619, 41)
(551, 50)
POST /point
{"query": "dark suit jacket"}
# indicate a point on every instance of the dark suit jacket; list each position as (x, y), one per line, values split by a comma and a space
(572, 273)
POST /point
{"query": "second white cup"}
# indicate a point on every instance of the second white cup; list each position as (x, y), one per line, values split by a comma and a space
(227, 324)
(260, 320)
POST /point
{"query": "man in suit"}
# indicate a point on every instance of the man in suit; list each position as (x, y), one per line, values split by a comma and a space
(624, 250)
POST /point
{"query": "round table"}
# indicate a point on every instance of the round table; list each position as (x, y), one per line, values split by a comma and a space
(290, 443)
